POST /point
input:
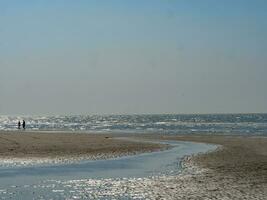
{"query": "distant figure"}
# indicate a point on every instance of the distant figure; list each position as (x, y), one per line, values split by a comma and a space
(19, 125)
(23, 124)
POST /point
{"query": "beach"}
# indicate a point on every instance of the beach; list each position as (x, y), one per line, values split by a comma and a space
(45, 147)
(237, 169)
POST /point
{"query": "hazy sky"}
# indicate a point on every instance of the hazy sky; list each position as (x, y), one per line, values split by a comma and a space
(135, 56)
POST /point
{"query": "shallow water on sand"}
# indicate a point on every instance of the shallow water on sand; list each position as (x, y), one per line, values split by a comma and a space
(101, 179)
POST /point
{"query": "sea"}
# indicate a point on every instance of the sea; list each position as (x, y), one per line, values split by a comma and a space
(227, 124)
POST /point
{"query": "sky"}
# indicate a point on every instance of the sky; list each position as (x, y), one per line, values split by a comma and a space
(132, 57)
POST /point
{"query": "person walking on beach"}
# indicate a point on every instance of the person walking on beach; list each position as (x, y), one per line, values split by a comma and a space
(19, 125)
(23, 124)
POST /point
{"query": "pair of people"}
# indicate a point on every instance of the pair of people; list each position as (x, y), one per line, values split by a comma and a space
(23, 124)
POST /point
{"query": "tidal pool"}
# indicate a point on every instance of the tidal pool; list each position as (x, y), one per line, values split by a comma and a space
(98, 179)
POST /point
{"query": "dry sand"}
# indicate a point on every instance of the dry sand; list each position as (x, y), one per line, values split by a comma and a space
(236, 170)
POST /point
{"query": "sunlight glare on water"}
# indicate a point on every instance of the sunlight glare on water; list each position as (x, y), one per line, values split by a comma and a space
(255, 124)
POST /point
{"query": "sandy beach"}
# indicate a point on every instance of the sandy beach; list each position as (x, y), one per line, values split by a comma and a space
(55, 147)
(236, 170)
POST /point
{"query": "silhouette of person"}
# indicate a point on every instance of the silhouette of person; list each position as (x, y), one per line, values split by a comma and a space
(23, 124)
(19, 125)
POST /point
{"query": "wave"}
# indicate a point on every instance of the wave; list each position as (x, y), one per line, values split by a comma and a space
(251, 124)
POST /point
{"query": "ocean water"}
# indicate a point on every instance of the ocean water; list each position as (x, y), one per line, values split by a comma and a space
(237, 124)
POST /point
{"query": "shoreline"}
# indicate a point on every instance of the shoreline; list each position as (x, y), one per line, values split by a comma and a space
(235, 170)
(32, 147)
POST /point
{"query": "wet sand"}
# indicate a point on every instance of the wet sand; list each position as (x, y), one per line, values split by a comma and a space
(23, 146)
(236, 170)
